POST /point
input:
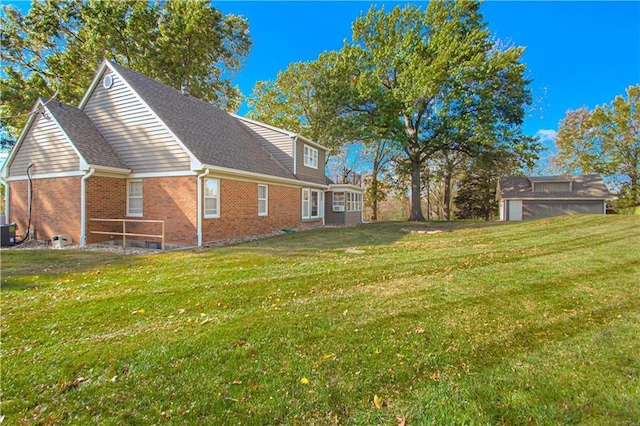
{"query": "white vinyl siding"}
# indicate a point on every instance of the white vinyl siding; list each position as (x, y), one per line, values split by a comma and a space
(211, 198)
(134, 198)
(354, 202)
(310, 157)
(338, 201)
(135, 133)
(263, 200)
(312, 203)
(47, 148)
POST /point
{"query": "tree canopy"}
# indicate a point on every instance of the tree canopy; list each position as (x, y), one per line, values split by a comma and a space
(418, 82)
(605, 140)
(437, 83)
(57, 45)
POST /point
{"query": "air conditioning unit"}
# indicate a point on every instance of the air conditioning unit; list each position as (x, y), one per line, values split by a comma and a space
(62, 240)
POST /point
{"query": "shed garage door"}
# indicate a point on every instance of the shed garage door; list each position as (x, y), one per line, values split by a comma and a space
(541, 209)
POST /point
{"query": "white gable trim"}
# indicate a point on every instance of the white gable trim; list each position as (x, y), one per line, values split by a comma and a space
(283, 131)
(265, 125)
(83, 163)
(195, 163)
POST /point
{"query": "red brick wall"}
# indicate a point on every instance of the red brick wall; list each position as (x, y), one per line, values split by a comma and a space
(106, 199)
(172, 199)
(239, 211)
(55, 207)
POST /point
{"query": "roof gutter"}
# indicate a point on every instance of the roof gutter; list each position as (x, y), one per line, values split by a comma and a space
(83, 207)
(199, 181)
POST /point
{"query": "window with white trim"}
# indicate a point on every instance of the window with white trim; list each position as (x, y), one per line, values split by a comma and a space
(338, 201)
(211, 198)
(312, 203)
(263, 200)
(134, 197)
(310, 157)
(354, 201)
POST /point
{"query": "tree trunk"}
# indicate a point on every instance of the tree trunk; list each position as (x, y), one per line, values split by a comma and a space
(416, 206)
(428, 183)
(374, 190)
(447, 197)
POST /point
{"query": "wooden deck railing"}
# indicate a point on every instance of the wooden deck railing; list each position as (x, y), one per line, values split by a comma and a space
(124, 232)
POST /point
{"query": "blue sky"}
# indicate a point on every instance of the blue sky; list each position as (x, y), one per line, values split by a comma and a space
(577, 53)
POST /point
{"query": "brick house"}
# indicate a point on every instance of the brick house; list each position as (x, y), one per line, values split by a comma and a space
(537, 197)
(140, 158)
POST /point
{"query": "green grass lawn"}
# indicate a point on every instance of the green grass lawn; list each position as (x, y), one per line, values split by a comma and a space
(533, 322)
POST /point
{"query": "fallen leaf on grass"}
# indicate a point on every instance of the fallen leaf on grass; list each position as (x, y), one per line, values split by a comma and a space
(236, 382)
(378, 402)
(402, 421)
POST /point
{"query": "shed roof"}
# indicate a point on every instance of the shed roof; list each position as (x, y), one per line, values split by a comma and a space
(583, 186)
(212, 135)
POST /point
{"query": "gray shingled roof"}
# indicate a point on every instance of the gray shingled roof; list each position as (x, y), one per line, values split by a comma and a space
(583, 186)
(93, 147)
(212, 135)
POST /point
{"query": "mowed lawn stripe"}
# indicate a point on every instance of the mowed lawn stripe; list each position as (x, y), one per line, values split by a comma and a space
(482, 323)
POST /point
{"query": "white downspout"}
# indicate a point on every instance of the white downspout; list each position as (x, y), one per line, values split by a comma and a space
(6, 200)
(83, 207)
(199, 195)
(295, 152)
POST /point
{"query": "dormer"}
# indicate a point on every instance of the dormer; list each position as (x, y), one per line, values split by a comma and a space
(555, 185)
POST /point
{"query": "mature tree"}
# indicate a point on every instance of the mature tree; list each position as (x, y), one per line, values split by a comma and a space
(303, 98)
(307, 98)
(56, 47)
(605, 140)
(435, 81)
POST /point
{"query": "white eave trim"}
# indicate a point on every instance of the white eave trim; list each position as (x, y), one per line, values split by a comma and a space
(162, 174)
(337, 187)
(47, 175)
(234, 173)
(108, 169)
(310, 142)
(555, 198)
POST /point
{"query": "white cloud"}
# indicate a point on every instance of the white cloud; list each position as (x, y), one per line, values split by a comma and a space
(546, 135)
